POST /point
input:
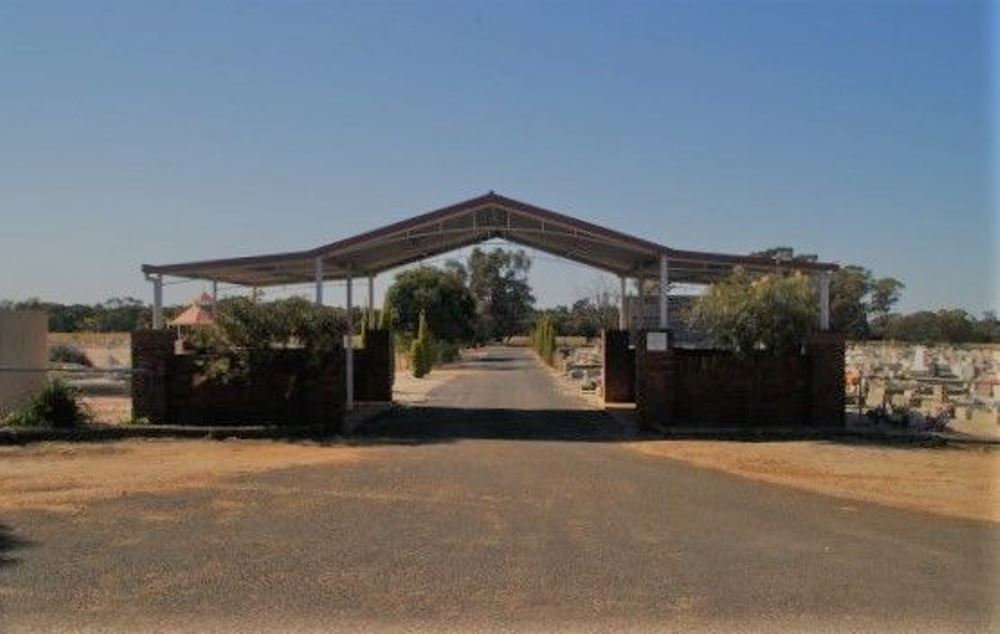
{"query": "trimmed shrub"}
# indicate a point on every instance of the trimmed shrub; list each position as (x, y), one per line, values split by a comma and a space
(420, 358)
(68, 353)
(543, 339)
(55, 405)
(422, 349)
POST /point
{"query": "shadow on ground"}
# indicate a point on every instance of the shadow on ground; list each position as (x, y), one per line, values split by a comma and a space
(8, 544)
(438, 424)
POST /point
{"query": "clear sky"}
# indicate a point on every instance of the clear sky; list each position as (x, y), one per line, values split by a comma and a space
(169, 131)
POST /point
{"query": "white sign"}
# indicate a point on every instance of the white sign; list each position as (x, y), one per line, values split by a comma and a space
(656, 341)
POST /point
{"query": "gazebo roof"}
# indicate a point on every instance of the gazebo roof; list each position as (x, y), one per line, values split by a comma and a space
(470, 222)
(194, 315)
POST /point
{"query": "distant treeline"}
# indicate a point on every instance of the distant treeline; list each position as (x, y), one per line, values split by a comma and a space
(118, 314)
(585, 318)
(944, 326)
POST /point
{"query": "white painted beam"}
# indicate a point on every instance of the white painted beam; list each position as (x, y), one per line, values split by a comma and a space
(371, 300)
(664, 290)
(824, 300)
(319, 281)
(349, 346)
(622, 304)
(157, 302)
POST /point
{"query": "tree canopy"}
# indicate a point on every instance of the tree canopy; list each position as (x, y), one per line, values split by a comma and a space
(746, 313)
(498, 280)
(449, 307)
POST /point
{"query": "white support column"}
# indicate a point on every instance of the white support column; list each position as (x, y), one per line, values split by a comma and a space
(664, 290)
(622, 304)
(824, 300)
(319, 281)
(157, 302)
(349, 346)
(215, 291)
(371, 300)
(641, 292)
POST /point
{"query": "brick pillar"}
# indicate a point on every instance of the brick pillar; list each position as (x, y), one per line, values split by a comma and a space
(618, 367)
(654, 385)
(373, 367)
(826, 379)
(151, 354)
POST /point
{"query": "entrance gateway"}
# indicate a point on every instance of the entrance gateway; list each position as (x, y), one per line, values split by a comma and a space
(471, 222)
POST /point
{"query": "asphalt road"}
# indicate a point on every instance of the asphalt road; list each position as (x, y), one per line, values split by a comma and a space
(523, 511)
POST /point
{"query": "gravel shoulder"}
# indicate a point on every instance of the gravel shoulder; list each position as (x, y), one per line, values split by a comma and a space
(66, 477)
(949, 481)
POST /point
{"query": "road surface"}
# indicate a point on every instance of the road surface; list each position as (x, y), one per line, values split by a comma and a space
(502, 503)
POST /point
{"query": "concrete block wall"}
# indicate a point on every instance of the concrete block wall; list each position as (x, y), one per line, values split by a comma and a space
(23, 350)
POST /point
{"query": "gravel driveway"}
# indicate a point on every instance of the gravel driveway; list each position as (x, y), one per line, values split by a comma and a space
(500, 503)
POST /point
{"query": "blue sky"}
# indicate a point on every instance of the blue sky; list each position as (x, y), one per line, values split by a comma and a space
(170, 131)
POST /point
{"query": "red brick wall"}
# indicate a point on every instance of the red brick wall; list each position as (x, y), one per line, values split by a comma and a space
(171, 389)
(683, 387)
(618, 367)
(654, 395)
(373, 367)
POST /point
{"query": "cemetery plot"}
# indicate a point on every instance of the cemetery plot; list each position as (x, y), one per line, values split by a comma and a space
(944, 387)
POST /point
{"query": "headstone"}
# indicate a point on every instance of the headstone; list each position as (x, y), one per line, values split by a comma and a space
(875, 397)
(919, 364)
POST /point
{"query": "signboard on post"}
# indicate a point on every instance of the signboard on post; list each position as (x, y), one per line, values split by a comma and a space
(656, 341)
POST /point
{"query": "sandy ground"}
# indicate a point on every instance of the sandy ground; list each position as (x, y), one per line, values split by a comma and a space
(409, 390)
(956, 482)
(67, 476)
(112, 410)
(104, 349)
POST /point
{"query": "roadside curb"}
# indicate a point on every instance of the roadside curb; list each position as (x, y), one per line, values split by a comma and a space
(96, 433)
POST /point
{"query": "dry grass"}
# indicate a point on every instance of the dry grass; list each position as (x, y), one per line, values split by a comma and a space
(66, 476)
(946, 481)
(104, 349)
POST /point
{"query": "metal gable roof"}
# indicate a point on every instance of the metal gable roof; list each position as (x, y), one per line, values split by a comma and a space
(466, 223)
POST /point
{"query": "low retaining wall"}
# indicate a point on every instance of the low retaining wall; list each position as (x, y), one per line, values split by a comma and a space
(683, 387)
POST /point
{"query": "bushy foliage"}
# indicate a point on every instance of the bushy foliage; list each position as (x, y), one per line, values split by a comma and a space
(248, 332)
(857, 297)
(498, 280)
(55, 405)
(68, 353)
(445, 351)
(440, 296)
(543, 339)
(386, 317)
(744, 313)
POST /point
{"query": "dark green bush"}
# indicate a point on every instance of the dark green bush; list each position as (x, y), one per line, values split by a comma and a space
(422, 349)
(55, 405)
(445, 351)
(543, 339)
(420, 357)
(67, 353)
(249, 335)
